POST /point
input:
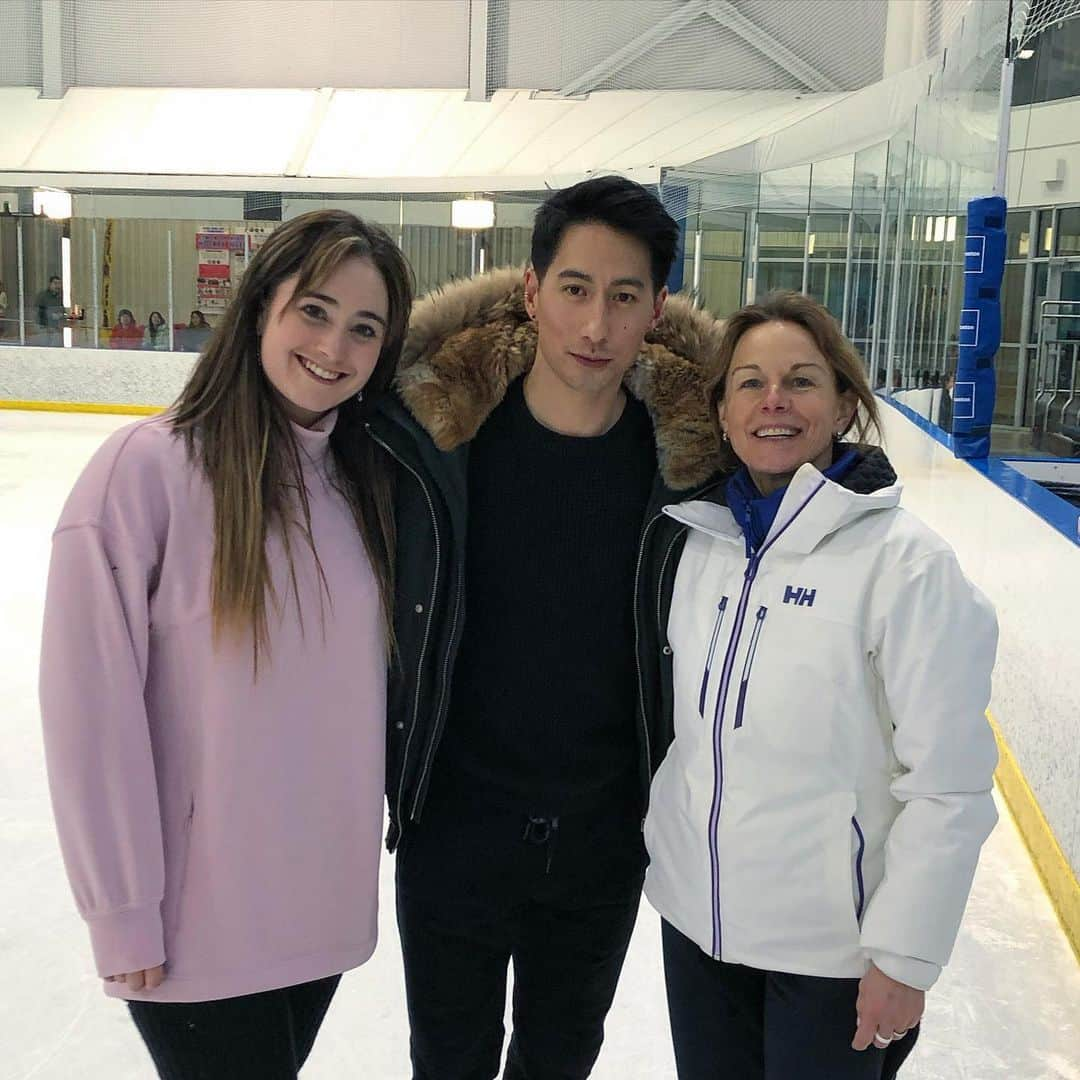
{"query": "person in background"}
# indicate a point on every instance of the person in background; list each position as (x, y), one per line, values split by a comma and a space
(50, 312)
(213, 666)
(195, 335)
(3, 311)
(126, 332)
(823, 668)
(156, 335)
(945, 408)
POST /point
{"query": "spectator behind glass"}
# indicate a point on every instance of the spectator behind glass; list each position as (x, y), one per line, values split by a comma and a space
(50, 312)
(945, 409)
(195, 335)
(127, 333)
(3, 311)
(157, 333)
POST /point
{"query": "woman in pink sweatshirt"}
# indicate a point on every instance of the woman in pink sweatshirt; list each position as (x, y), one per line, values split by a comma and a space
(213, 666)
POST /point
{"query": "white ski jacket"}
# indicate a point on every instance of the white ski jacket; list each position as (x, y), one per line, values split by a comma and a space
(828, 788)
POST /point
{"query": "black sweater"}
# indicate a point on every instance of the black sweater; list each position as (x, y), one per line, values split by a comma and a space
(542, 713)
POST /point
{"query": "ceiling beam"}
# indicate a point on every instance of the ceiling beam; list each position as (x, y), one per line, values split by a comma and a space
(630, 52)
(52, 58)
(731, 19)
(478, 50)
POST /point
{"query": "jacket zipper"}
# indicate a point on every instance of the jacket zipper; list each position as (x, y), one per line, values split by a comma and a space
(637, 634)
(748, 663)
(427, 628)
(858, 868)
(720, 609)
(753, 561)
(433, 742)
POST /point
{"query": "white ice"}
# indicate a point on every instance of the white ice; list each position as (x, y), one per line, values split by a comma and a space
(1006, 1007)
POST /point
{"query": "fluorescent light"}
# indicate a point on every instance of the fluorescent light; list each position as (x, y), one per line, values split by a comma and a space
(52, 203)
(472, 213)
(1025, 54)
(939, 230)
(810, 244)
(950, 229)
(1048, 238)
(481, 260)
(929, 228)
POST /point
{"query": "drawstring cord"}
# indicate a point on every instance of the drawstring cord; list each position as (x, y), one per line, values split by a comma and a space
(542, 830)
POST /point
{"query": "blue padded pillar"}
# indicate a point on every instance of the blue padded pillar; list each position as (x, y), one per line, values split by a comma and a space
(980, 327)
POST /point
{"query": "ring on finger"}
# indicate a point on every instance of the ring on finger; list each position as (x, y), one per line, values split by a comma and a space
(882, 1041)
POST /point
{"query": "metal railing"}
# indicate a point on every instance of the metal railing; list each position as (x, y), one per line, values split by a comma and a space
(1057, 365)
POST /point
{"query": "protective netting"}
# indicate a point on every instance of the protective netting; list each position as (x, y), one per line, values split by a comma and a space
(562, 46)
(575, 46)
(284, 44)
(20, 43)
(1031, 17)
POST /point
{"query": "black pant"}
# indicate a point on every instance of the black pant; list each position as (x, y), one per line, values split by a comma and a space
(731, 1022)
(479, 886)
(265, 1036)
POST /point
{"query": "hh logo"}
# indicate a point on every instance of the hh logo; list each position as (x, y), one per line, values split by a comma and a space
(799, 597)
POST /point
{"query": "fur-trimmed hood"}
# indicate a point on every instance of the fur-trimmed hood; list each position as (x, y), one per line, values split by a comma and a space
(469, 340)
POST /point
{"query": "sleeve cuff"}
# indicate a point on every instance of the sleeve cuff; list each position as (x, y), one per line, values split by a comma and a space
(920, 974)
(127, 940)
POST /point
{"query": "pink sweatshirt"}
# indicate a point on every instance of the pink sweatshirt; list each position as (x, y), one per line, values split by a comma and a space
(228, 827)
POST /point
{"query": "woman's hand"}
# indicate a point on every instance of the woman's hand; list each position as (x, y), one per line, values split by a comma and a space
(150, 979)
(885, 1009)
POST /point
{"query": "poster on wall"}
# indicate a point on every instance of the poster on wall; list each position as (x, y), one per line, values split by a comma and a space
(222, 253)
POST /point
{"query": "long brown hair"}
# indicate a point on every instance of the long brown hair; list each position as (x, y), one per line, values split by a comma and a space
(819, 323)
(236, 428)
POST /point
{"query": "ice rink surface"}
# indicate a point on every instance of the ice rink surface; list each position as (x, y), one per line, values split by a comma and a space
(1008, 1006)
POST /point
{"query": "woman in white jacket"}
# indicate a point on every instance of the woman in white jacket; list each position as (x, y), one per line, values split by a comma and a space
(815, 825)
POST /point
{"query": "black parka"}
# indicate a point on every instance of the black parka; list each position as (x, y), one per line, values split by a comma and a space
(465, 345)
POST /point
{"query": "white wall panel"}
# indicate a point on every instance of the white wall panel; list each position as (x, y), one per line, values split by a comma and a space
(1031, 573)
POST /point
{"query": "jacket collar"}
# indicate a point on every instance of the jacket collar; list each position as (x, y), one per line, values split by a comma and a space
(813, 506)
(469, 340)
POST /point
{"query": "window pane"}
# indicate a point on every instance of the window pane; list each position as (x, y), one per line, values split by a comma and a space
(1044, 234)
(1012, 301)
(861, 302)
(781, 236)
(866, 235)
(1068, 231)
(826, 284)
(721, 286)
(828, 236)
(723, 233)
(786, 189)
(1018, 229)
(1005, 365)
(778, 275)
(1038, 295)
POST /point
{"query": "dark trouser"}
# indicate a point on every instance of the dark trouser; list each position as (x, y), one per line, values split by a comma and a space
(265, 1036)
(731, 1022)
(477, 887)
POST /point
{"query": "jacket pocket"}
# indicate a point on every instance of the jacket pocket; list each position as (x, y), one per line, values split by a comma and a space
(858, 845)
(748, 663)
(721, 608)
